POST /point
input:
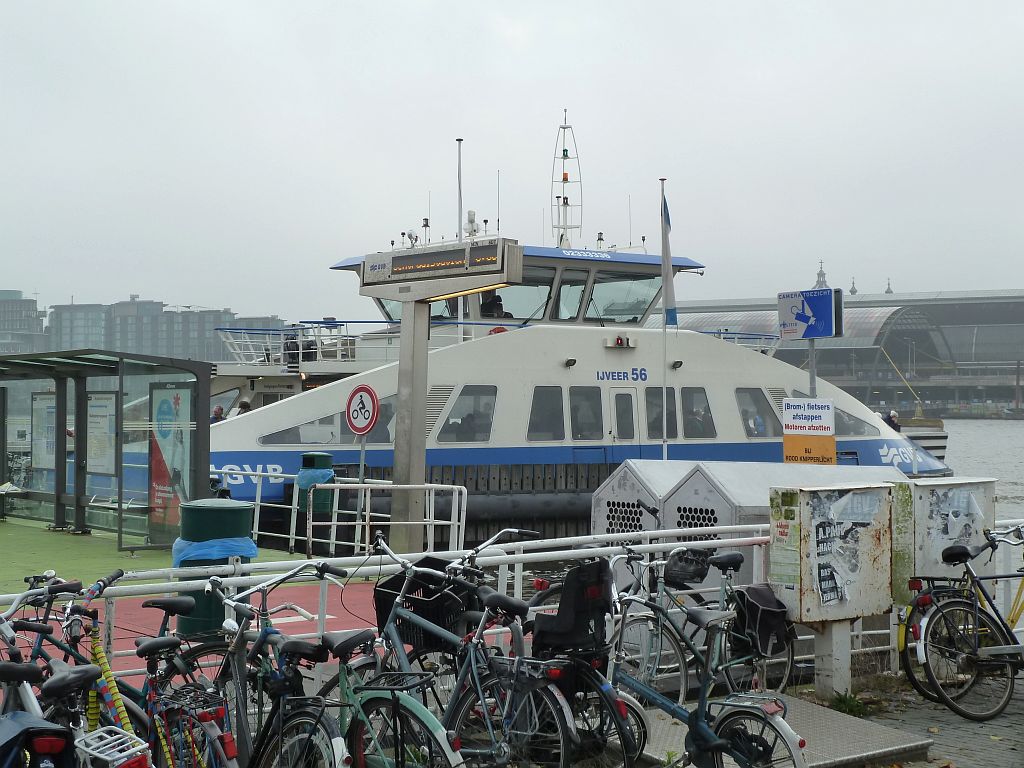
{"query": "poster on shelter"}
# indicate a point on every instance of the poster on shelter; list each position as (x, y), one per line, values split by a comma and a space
(102, 418)
(839, 519)
(170, 449)
(44, 419)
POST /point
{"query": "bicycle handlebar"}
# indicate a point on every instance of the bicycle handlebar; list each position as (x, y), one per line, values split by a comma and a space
(243, 610)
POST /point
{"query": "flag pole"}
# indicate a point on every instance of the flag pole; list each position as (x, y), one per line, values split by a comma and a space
(668, 311)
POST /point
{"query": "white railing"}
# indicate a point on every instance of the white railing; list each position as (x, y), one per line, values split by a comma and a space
(362, 519)
(359, 520)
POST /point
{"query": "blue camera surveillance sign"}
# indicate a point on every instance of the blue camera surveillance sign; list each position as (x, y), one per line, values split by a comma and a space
(815, 314)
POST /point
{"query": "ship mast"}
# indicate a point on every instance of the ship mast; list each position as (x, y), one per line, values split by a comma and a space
(566, 187)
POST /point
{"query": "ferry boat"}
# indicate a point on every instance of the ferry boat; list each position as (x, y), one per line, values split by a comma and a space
(533, 409)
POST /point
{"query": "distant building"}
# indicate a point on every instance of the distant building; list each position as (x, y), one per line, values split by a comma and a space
(21, 324)
(77, 326)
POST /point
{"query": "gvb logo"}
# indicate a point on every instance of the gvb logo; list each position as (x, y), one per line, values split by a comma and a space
(895, 455)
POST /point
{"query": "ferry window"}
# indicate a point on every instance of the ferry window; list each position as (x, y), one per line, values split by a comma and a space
(333, 430)
(384, 430)
(585, 413)
(525, 301)
(653, 401)
(621, 297)
(624, 416)
(697, 419)
(570, 293)
(469, 420)
(547, 421)
(848, 425)
(758, 417)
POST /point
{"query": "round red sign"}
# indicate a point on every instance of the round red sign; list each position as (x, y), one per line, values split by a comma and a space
(362, 409)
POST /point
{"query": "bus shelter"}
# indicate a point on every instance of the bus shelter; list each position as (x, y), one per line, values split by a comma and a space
(107, 440)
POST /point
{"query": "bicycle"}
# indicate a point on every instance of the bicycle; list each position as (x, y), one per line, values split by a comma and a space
(970, 651)
(504, 711)
(750, 729)
(662, 652)
(297, 730)
(928, 590)
(61, 695)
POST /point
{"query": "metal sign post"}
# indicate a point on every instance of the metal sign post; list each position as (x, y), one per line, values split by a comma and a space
(416, 277)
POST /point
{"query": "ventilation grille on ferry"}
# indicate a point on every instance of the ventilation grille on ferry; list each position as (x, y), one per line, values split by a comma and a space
(624, 517)
(777, 396)
(437, 399)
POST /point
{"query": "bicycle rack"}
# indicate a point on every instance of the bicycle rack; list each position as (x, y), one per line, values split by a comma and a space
(111, 745)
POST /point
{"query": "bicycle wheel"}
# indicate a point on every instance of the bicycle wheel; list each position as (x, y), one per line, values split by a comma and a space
(756, 743)
(308, 738)
(199, 664)
(654, 655)
(537, 735)
(444, 665)
(606, 740)
(637, 718)
(909, 663)
(377, 738)
(974, 686)
(751, 672)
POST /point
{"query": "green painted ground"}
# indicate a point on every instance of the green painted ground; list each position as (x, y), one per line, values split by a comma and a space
(26, 547)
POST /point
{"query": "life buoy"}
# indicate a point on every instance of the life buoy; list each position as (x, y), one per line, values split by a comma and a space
(498, 329)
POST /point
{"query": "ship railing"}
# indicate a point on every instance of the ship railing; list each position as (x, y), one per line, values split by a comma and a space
(354, 508)
(339, 341)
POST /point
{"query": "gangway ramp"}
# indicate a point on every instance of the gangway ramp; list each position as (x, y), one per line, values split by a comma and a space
(833, 739)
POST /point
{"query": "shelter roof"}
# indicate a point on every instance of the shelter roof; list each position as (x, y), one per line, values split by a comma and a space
(91, 362)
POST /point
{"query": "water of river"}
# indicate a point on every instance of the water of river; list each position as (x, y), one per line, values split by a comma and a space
(984, 448)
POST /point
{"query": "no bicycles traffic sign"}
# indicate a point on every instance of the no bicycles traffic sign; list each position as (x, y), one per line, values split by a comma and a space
(362, 409)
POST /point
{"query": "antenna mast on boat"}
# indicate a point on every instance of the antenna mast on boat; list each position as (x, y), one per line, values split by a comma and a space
(566, 186)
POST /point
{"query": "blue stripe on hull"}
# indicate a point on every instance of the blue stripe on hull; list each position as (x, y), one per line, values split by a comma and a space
(877, 452)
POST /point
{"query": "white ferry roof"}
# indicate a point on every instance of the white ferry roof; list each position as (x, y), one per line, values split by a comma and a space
(576, 254)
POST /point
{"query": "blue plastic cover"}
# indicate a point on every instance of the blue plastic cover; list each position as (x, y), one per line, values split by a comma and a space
(214, 549)
(308, 477)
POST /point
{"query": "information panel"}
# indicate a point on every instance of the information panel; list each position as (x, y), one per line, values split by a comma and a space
(170, 449)
(808, 431)
(814, 314)
(44, 417)
(102, 418)
(418, 274)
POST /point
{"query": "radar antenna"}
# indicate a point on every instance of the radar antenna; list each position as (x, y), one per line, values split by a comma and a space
(566, 186)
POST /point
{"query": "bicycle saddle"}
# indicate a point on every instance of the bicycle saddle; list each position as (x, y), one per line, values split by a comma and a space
(727, 561)
(67, 679)
(958, 554)
(156, 646)
(16, 672)
(705, 617)
(172, 606)
(314, 652)
(343, 644)
(505, 604)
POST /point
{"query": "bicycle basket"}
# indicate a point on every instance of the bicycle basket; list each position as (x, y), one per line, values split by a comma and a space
(443, 606)
(687, 569)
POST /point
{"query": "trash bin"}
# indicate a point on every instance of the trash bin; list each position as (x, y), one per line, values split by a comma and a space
(212, 530)
(316, 468)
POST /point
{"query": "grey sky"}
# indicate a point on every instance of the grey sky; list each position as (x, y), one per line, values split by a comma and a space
(225, 154)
